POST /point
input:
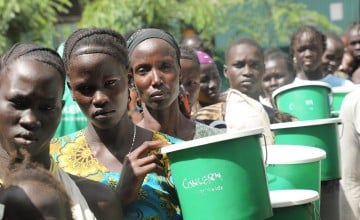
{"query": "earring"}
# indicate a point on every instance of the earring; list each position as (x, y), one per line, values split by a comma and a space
(294, 60)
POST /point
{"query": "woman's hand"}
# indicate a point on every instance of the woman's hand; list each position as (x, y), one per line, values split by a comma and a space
(137, 164)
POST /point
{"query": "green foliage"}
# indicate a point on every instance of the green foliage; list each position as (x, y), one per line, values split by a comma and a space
(29, 21)
(128, 15)
(270, 22)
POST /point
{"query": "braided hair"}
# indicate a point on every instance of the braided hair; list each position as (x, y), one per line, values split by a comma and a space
(308, 29)
(32, 52)
(95, 40)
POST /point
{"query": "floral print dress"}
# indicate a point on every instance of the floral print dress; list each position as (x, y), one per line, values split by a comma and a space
(157, 198)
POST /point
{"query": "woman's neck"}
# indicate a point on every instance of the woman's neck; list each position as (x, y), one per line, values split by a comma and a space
(43, 159)
(170, 121)
(110, 137)
(311, 75)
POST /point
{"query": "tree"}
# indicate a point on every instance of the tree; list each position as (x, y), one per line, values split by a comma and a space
(31, 21)
(270, 22)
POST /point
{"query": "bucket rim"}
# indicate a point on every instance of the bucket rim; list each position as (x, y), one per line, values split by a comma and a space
(305, 123)
(344, 89)
(211, 139)
(299, 85)
(296, 154)
(292, 197)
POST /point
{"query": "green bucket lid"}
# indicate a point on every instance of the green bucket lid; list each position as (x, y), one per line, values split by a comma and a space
(301, 84)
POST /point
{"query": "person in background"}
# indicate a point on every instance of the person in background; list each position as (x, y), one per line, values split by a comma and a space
(72, 119)
(355, 78)
(353, 44)
(308, 45)
(279, 71)
(112, 146)
(155, 67)
(33, 190)
(195, 42)
(244, 67)
(347, 65)
(333, 55)
(135, 110)
(190, 76)
(348, 62)
(32, 82)
(210, 80)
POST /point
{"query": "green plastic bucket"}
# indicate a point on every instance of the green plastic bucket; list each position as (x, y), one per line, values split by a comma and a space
(294, 204)
(338, 95)
(321, 133)
(305, 100)
(286, 166)
(221, 176)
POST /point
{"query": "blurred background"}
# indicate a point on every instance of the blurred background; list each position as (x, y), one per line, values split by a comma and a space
(217, 22)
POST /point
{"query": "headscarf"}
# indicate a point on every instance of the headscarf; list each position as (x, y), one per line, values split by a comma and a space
(148, 33)
(204, 58)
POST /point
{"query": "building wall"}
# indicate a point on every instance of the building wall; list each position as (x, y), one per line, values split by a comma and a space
(340, 12)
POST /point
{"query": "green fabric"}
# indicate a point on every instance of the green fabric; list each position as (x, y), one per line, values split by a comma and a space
(72, 119)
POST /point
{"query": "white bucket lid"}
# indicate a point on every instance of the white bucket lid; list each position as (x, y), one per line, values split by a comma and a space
(293, 154)
(292, 197)
(303, 83)
(305, 123)
(211, 139)
(344, 89)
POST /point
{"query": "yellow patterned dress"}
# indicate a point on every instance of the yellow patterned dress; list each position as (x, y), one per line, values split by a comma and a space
(157, 198)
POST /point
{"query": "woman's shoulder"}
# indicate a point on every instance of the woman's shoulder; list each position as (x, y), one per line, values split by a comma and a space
(158, 136)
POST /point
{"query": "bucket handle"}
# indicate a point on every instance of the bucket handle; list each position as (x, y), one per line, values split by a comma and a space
(266, 151)
(316, 211)
(340, 129)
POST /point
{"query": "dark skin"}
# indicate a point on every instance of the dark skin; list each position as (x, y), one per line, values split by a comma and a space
(332, 57)
(190, 79)
(156, 73)
(308, 50)
(245, 68)
(99, 84)
(353, 46)
(277, 74)
(30, 109)
(210, 84)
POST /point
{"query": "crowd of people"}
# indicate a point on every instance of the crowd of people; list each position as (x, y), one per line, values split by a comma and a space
(81, 127)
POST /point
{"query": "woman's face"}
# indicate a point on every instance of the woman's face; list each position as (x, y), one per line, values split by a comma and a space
(156, 73)
(332, 56)
(308, 50)
(210, 84)
(277, 74)
(99, 84)
(190, 78)
(30, 106)
(354, 43)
